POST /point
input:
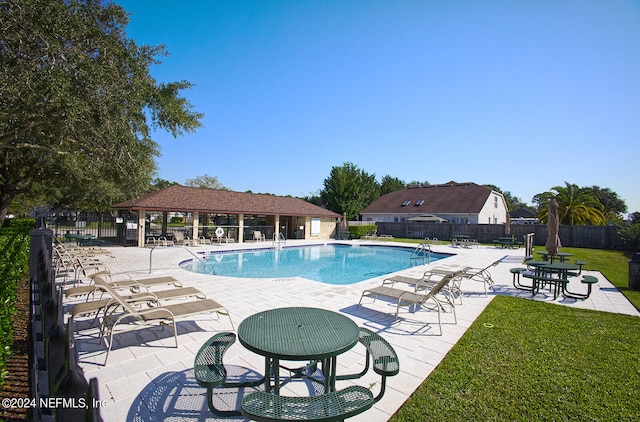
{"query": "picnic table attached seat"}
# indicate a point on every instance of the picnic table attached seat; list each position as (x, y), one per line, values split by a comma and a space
(516, 279)
(385, 359)
(589, 280)
(210, 372)
(335, 406)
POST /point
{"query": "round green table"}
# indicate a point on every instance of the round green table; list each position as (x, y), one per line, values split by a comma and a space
(298, 334)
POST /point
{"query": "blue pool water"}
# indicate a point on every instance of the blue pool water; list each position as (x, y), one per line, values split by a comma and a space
(332, 264)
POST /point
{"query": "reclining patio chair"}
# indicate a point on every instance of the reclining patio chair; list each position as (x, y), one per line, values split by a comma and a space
(120, 282)
(429, 279)
(480, 274)
(405, 298)
(125, 312)
(95, 307)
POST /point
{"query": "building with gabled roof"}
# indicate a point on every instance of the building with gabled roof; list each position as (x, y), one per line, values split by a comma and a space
(237, 213)
(466, 203)
(523, 216)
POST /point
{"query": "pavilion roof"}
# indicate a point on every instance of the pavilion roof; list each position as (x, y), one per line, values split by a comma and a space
(178, 198)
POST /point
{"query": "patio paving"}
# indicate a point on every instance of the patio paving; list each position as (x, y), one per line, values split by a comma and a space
(147, 379)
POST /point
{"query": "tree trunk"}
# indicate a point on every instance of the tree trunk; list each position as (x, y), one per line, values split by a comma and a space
(5, 201)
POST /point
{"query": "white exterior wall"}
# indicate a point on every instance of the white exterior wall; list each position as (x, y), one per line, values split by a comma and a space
(494, 210)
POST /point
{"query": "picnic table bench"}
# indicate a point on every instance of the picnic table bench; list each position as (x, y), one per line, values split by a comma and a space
(508, 242)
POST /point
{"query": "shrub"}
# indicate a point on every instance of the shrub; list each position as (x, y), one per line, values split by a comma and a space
(630, 235)
(14, 262)
(176, 220)
(359, 231)
(18, 225)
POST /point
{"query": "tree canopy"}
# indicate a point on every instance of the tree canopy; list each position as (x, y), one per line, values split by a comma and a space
(576, 206)
(205, 181)
(613, 207)
(78, 104)
(390, 184)
(349, 189)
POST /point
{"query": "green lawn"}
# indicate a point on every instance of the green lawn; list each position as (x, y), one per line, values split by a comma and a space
(528, 360)
(535, 361)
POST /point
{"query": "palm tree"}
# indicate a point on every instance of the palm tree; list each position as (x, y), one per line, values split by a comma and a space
(577, 206)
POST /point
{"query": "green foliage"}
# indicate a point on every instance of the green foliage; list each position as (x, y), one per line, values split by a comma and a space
(14, 262)
(349, 190)
(78, 105)
(176, 220)
(205, 181)
(630, 234)
(18, 225)
(528, 360)
(390, 184)
(613, 207)
(577, 206)
(357, 232)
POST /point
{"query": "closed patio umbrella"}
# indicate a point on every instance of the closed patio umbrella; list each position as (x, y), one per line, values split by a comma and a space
(553, 244)
(507, 225)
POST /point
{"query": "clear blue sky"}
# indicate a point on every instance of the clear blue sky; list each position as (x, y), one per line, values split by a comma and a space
(524, 95)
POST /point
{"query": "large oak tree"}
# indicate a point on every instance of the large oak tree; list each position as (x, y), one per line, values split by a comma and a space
(78, 105)
(349, 190)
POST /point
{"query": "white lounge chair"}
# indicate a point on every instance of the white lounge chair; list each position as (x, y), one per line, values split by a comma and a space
(125, 316)
(405, 298)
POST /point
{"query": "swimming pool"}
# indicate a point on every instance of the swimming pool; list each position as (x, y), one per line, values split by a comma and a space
(332, 264)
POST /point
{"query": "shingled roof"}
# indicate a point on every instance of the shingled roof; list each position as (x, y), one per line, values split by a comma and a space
(187, 199)
(450, 198)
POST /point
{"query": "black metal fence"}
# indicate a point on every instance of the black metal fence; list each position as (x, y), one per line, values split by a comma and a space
(58, 387)
(596, 237)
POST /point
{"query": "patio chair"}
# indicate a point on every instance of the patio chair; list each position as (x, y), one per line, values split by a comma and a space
(429, 279)
(480, 274)
(180, 239)
(258, 236)
(120, 282)
(163, 314)
(405, 298)
(94, 307)
(204, 241)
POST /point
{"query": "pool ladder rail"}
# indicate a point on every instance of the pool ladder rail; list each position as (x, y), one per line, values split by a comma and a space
(279, 240)
(422, 252)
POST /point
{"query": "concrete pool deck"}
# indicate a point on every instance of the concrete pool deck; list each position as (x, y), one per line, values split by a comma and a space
(146, 378)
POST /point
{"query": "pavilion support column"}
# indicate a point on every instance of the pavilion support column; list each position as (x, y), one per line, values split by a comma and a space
(240, 228)
(165, 216)
(141, 228)
(276, 232)
(196, 224)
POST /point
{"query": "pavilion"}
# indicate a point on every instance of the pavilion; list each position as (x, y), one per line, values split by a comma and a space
(238, 214)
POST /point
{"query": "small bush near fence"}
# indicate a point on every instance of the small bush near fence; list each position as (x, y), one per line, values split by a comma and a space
(14, 265)
(630, 234)
(357, 232)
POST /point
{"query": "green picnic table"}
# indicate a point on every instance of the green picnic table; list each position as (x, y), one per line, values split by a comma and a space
(298, 334)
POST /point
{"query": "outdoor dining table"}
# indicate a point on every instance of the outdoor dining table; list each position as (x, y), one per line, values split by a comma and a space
(562, 256)
(298, 334)
(546, 268)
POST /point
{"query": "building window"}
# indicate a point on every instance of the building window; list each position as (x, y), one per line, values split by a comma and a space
(420, 202)
(495, 202)
(315, 227)
(405, 203)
